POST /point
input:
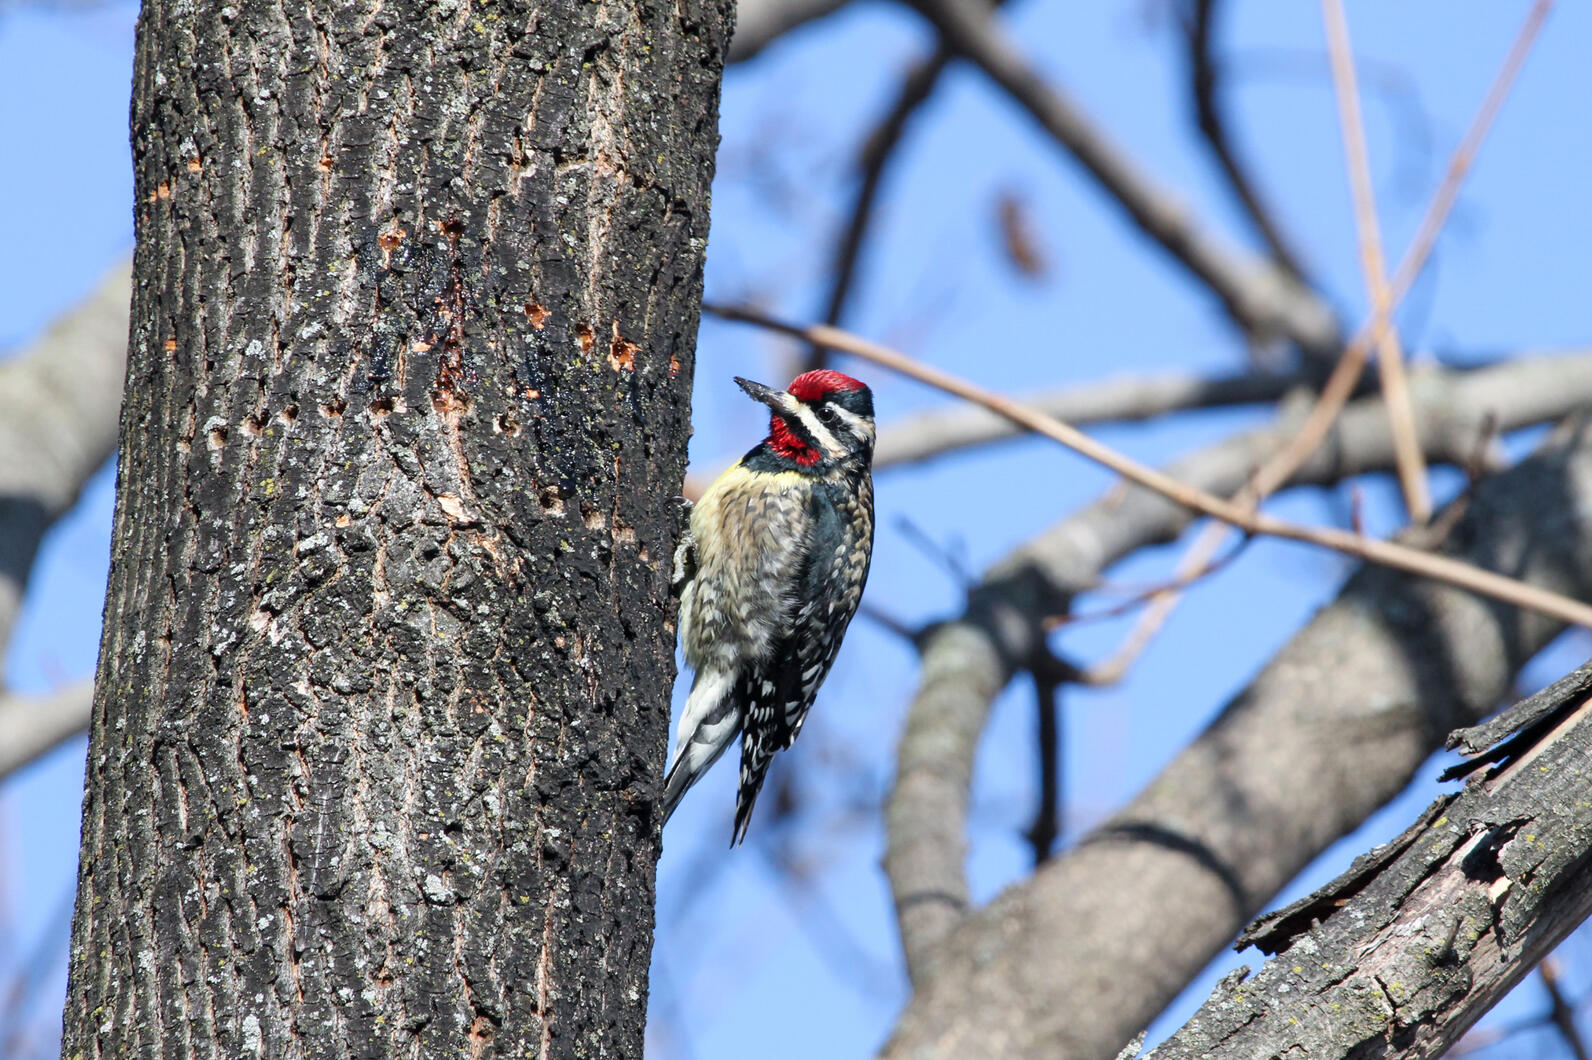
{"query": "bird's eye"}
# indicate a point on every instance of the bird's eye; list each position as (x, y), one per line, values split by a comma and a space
(826, 413)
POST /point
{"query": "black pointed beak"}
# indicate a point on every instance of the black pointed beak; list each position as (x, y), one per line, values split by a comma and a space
(778, 400)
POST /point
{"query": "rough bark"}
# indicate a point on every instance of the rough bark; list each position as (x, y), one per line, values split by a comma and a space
(1077, 958)
(384, 681)
(1402, 953)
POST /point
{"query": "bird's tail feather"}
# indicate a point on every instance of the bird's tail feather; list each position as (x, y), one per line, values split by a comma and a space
(708, 725)
(756, 755)
(745, 800)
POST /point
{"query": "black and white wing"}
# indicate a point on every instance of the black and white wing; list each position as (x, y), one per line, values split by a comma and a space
(777, 694)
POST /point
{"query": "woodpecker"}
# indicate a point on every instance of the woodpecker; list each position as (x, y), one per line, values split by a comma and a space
(770, 571)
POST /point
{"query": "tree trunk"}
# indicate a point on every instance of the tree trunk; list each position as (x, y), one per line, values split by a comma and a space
(388, 645)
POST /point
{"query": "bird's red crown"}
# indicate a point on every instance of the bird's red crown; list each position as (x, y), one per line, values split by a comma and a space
(809, 386)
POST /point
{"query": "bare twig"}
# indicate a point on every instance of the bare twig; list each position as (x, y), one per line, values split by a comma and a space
(1113, 668)
(940, 555)
(1343, 379)
(888, 622)
(1205, 75)
(1108, 673)
(1412, 473)
(1332, 727)
(1262, 299)
(962, 426)
(877, 151)
(1561, 1012)
(1383, 553)
(1346, 374)
(1342, 382)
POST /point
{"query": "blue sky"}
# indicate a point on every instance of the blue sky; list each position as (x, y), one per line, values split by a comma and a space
(801, 958)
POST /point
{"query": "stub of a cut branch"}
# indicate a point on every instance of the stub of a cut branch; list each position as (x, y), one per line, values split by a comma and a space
(1405, 958)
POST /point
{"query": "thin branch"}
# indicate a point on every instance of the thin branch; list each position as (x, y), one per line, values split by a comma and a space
(889, 622)
(1384, 553)
(877, 151)
(1561, 1011)
(942, 556)
(1115, 668)
(1412, 473)
(962, 426)
(1346, 374)
(1262, 299)
(1334, 725)
(1205, 89)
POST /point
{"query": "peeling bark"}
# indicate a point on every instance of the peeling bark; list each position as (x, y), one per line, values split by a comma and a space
(1420, 938)
(385, 674)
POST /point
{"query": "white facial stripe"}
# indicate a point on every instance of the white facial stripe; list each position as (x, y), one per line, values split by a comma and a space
(820, 434)
(858, 426)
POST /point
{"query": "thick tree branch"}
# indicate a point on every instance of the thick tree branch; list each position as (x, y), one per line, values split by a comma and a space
(1422, 936)
(31, 726)
(1261, 297)
(58, 402)
(1180, 851)
(758, 23)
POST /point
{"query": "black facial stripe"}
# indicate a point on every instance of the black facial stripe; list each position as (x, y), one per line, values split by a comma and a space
(858, 401)
(801, 431)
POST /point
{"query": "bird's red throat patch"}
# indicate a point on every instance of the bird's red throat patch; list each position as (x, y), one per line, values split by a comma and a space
(787, 444)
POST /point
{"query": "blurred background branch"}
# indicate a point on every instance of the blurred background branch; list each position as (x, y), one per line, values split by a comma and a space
(1334, 726)
(877, 171)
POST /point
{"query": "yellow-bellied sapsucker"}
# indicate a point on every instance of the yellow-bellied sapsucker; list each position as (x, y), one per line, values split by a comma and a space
(770, 573)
